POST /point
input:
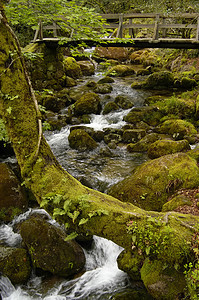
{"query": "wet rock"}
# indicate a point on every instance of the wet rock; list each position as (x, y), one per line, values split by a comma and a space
(166, 146)
(109, 107)
(103, 88)
(53, 103)
(89, 103)
(72, 68)
(87, 67)
(177, 128)
(121, 71)
(70, 82)
(153, 182)
(54, 121)
(81, 140)
(124, 101)
(48, 249)
(112, 137)
(133, 135)
(91, 83)
(106, 79)
(13, 200)
(162, 282)
(148, 114)
(15, 264)
(144, 143)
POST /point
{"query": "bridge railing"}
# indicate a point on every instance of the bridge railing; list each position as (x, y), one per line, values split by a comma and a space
(156, 25)
(139, 26)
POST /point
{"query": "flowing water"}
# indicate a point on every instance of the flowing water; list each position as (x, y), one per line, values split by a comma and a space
(102, 278)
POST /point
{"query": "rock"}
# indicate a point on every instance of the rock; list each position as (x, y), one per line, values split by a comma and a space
(142, 57)
(154, 181)
(160, 80)
(109, 107)
(15, 264)
(53, 120)
(143, 72)
(175, 202)
(89, 103)
(87, 68)
(166, 146)
(117, 53)
(81, 140)
(106, 79)
(53, 103)
(130, 262)
(177, 128)
(112, 138)
(124, 101)
(162, 282)
(48, 249)
(188, 83)
(133, 135)
(148, 114)
(103, 88)
(13, 200)
(121, 71)
(72, 68)
(144, 143)
(70, 82)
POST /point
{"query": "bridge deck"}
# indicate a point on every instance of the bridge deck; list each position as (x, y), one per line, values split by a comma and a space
(132, 43)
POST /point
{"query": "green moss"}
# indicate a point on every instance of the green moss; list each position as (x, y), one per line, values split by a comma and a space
(81, 140)
(89, 103)
(72, 68)
(175, 202)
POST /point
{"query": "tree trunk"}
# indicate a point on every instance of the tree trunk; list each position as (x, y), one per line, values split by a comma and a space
(84, 210)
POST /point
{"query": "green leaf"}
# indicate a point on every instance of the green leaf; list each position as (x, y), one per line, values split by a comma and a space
(71, 236)
(133, 238)
(58, 212)
(83, 221)
(9, 110)
(147, 250)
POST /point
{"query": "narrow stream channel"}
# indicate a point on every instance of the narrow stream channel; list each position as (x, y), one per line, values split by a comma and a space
(102, 278)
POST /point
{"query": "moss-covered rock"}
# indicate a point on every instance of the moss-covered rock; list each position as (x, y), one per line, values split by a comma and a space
(188, 83)
(144, 143)
(15, 264)
(133, 135)
(109, 107)
(106, 79)
(121, 71)
(124, 101)
(81, 140)
(48, 249)
(89, 103)
(149, 114)
(162, 282)
(53, 103)
(177, 128)
(13, 200)
(103, 88)
(159, 80)
(54, 121)
(167, 146)
(87, 67)
(72, 68)
(176, 201)
(70, 82)
(154, 181)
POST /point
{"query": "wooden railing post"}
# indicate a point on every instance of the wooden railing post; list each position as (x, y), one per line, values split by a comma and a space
(120, 27)
(156, 29)
(54, 29)
(39, 32)
(197, 31)
(131, 31)
(164, 31)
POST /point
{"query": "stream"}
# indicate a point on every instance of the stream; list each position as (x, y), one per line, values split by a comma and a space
(102, 278)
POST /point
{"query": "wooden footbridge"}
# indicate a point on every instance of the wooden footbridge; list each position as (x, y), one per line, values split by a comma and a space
(133, 30)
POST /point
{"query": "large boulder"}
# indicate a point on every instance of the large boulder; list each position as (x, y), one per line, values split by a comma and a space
(144, 144)
(160, 80)
(80, 140)
(166, 146)
(153, 182)
(162, 282)
(177, 128)
(15, 264)
(89, 103)
(48, 249)
(87, 67)
(72, 68)
(121, 71)
(13, 200)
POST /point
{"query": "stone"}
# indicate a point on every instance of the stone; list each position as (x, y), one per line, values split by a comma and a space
(72, 68)
(48, 249)
(133, 135)
(81, 140)
(89, 103)
(87, 67)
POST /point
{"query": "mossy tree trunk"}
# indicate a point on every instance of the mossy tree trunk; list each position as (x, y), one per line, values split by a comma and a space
(71, 203)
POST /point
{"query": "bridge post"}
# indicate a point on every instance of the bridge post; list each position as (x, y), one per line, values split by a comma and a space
(39, 32)
(156, 28)
(197, 31)
(54, 29)
(120, 27)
